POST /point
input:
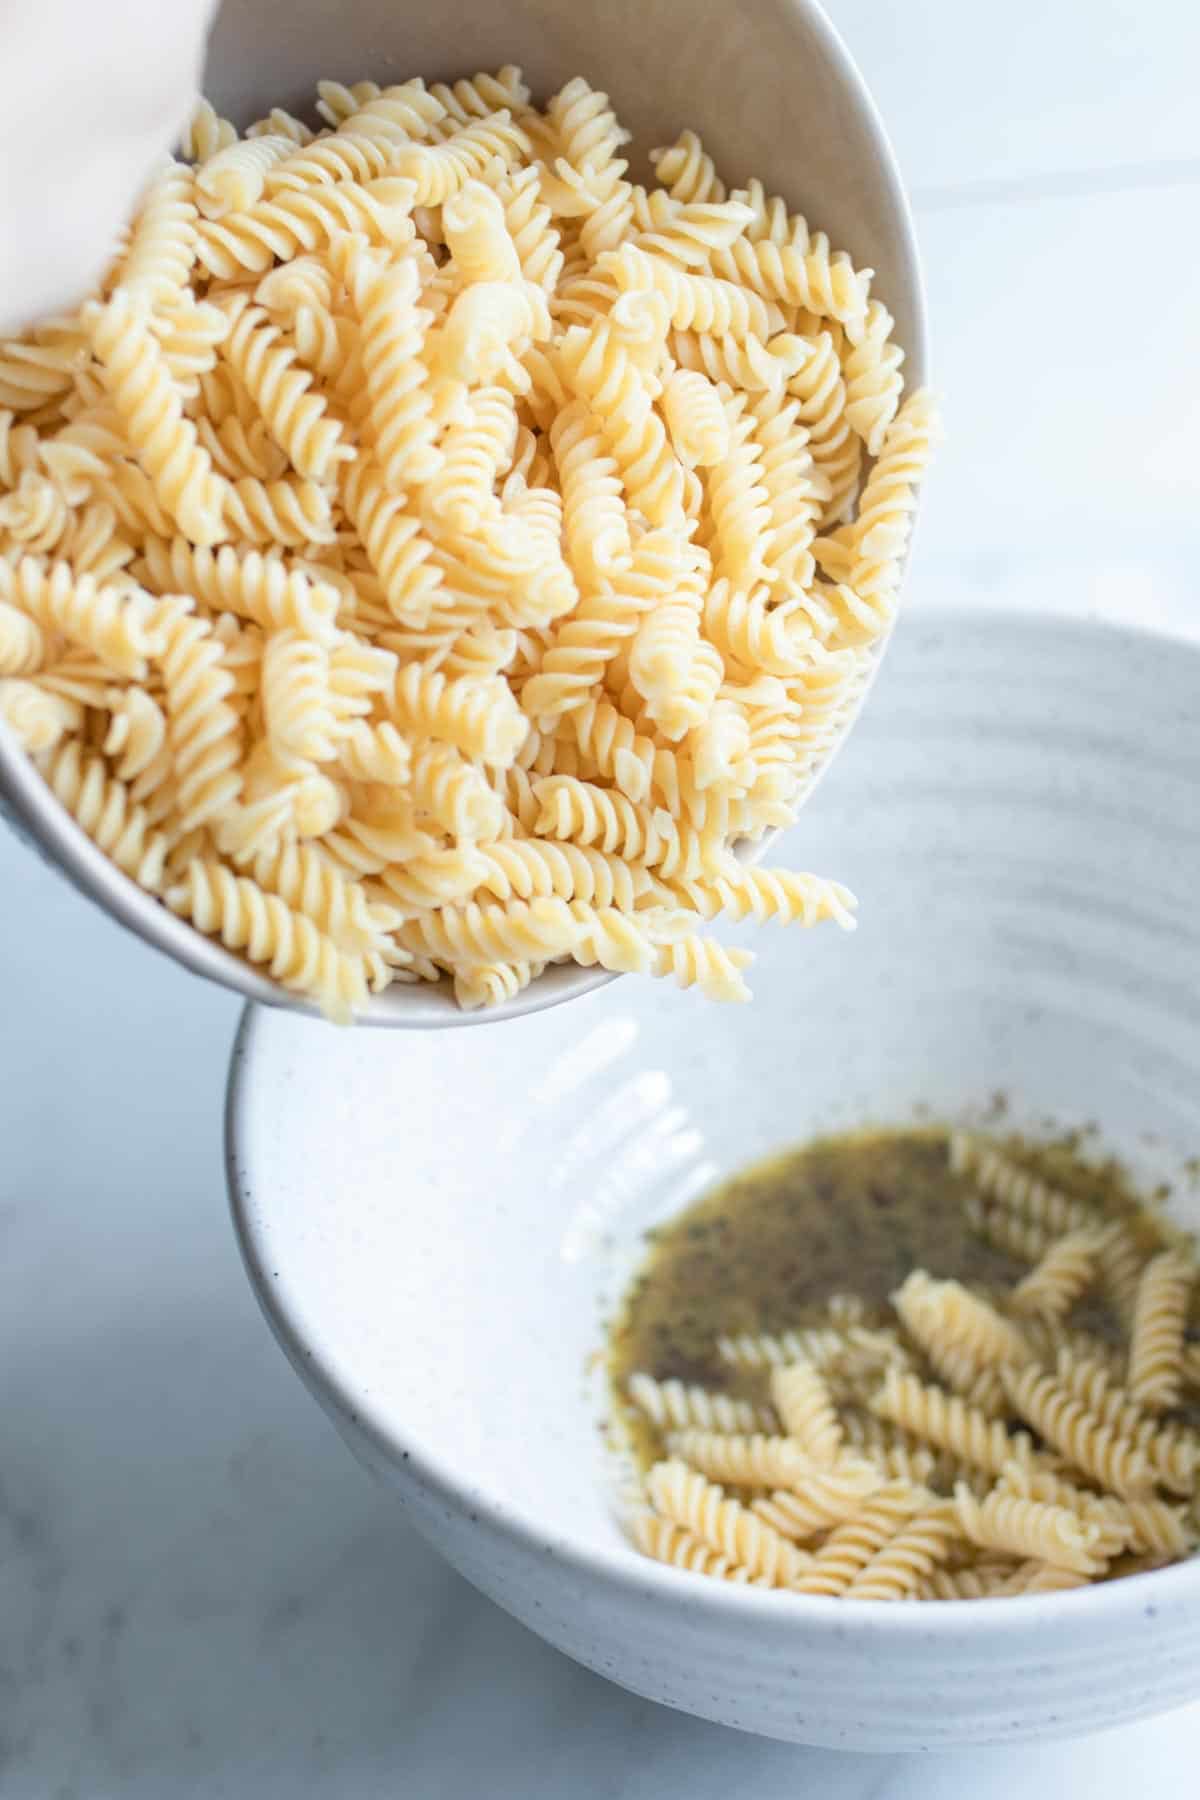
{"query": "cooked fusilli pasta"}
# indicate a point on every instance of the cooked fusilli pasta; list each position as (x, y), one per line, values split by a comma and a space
(427, 496)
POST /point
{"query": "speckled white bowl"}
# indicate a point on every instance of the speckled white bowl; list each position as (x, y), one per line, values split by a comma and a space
(436, 1228)
(773, 93)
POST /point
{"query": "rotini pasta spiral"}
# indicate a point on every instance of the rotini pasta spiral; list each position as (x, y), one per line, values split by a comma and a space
(696, 419)
(37, 718)
(580, 812)
(438, 171)
(278, 514)
(137, 733)
(698, 302)
(103, 807)
(1156, 1334)
(851, 1545)
(303, 221)
(404, 113)
(597, 528)
(1100, 1451)
(874, 383)
(683, 1496)
(207, 132)
(296, 415)
(681, 1407)
(947, 1421)
(836, 450)
(667, 1543)
(740, 505)
(703, 963)
(477, 235)
(490, 984)
(1029, 1528)
(998, 1178)
(531, 229)
(677, 671)
(268, 931)
(888, 500)
(522, 869)
(782, 894)
(401, 413)
(823, 284)
(203, 730)
(947, 1312)
(743, 1460)
(399, 553)
(906, 1559)
(303, 878)
(820, 1499)
(121, 629)
(693, 234)
(521, 931)
(34, 516)
(295, 696)
(602, 372)
(152, 416)
(234, 178)
(22, 642)
(804, 1403)
(454, 793)
(483, 94)
(264, 589)
(162, 243)
(686, 172)
(473, 452)
(1065, 1271)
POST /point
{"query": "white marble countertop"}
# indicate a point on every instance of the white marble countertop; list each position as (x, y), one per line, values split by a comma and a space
(200, 1594)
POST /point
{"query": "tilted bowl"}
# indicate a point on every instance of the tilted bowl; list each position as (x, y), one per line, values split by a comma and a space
(772, 92)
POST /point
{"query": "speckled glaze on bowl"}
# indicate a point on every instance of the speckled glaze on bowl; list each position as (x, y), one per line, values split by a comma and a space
(436, 1228)
(773, 93)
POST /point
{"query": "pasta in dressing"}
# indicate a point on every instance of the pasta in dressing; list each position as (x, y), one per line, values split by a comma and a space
(956, 1440)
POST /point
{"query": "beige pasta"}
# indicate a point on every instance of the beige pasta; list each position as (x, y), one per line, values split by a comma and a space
(1100, 1451)
(906, 1559)
(1156, 1331)
(947, 1421)
(743, 1460)
(726, 1526)
(851, 1545)
(998, 1178)
(676, 1405)
(1064, 1272)
(818, 1500)
(1029, 1528)
(944, 1313)
(428, 496)
(668, 1543)
(802, 1399)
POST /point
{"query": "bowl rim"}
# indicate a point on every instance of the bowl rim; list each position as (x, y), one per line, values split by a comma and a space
(620, 1565)
(47, 827)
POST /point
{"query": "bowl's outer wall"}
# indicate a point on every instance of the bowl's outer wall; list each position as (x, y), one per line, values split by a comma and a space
(435, 1240)
(772, 93)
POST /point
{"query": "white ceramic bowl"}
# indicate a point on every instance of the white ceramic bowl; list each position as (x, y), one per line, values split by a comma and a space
(773, 93)
(437, 1229)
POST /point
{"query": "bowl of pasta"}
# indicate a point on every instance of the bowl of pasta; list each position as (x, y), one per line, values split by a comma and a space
(440, 1245)
(463, 522)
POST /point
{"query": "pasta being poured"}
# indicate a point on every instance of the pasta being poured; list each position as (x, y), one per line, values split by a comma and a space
(431, 552)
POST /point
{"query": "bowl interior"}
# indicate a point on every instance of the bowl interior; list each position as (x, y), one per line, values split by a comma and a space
(438, 1228)
(771, 92)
